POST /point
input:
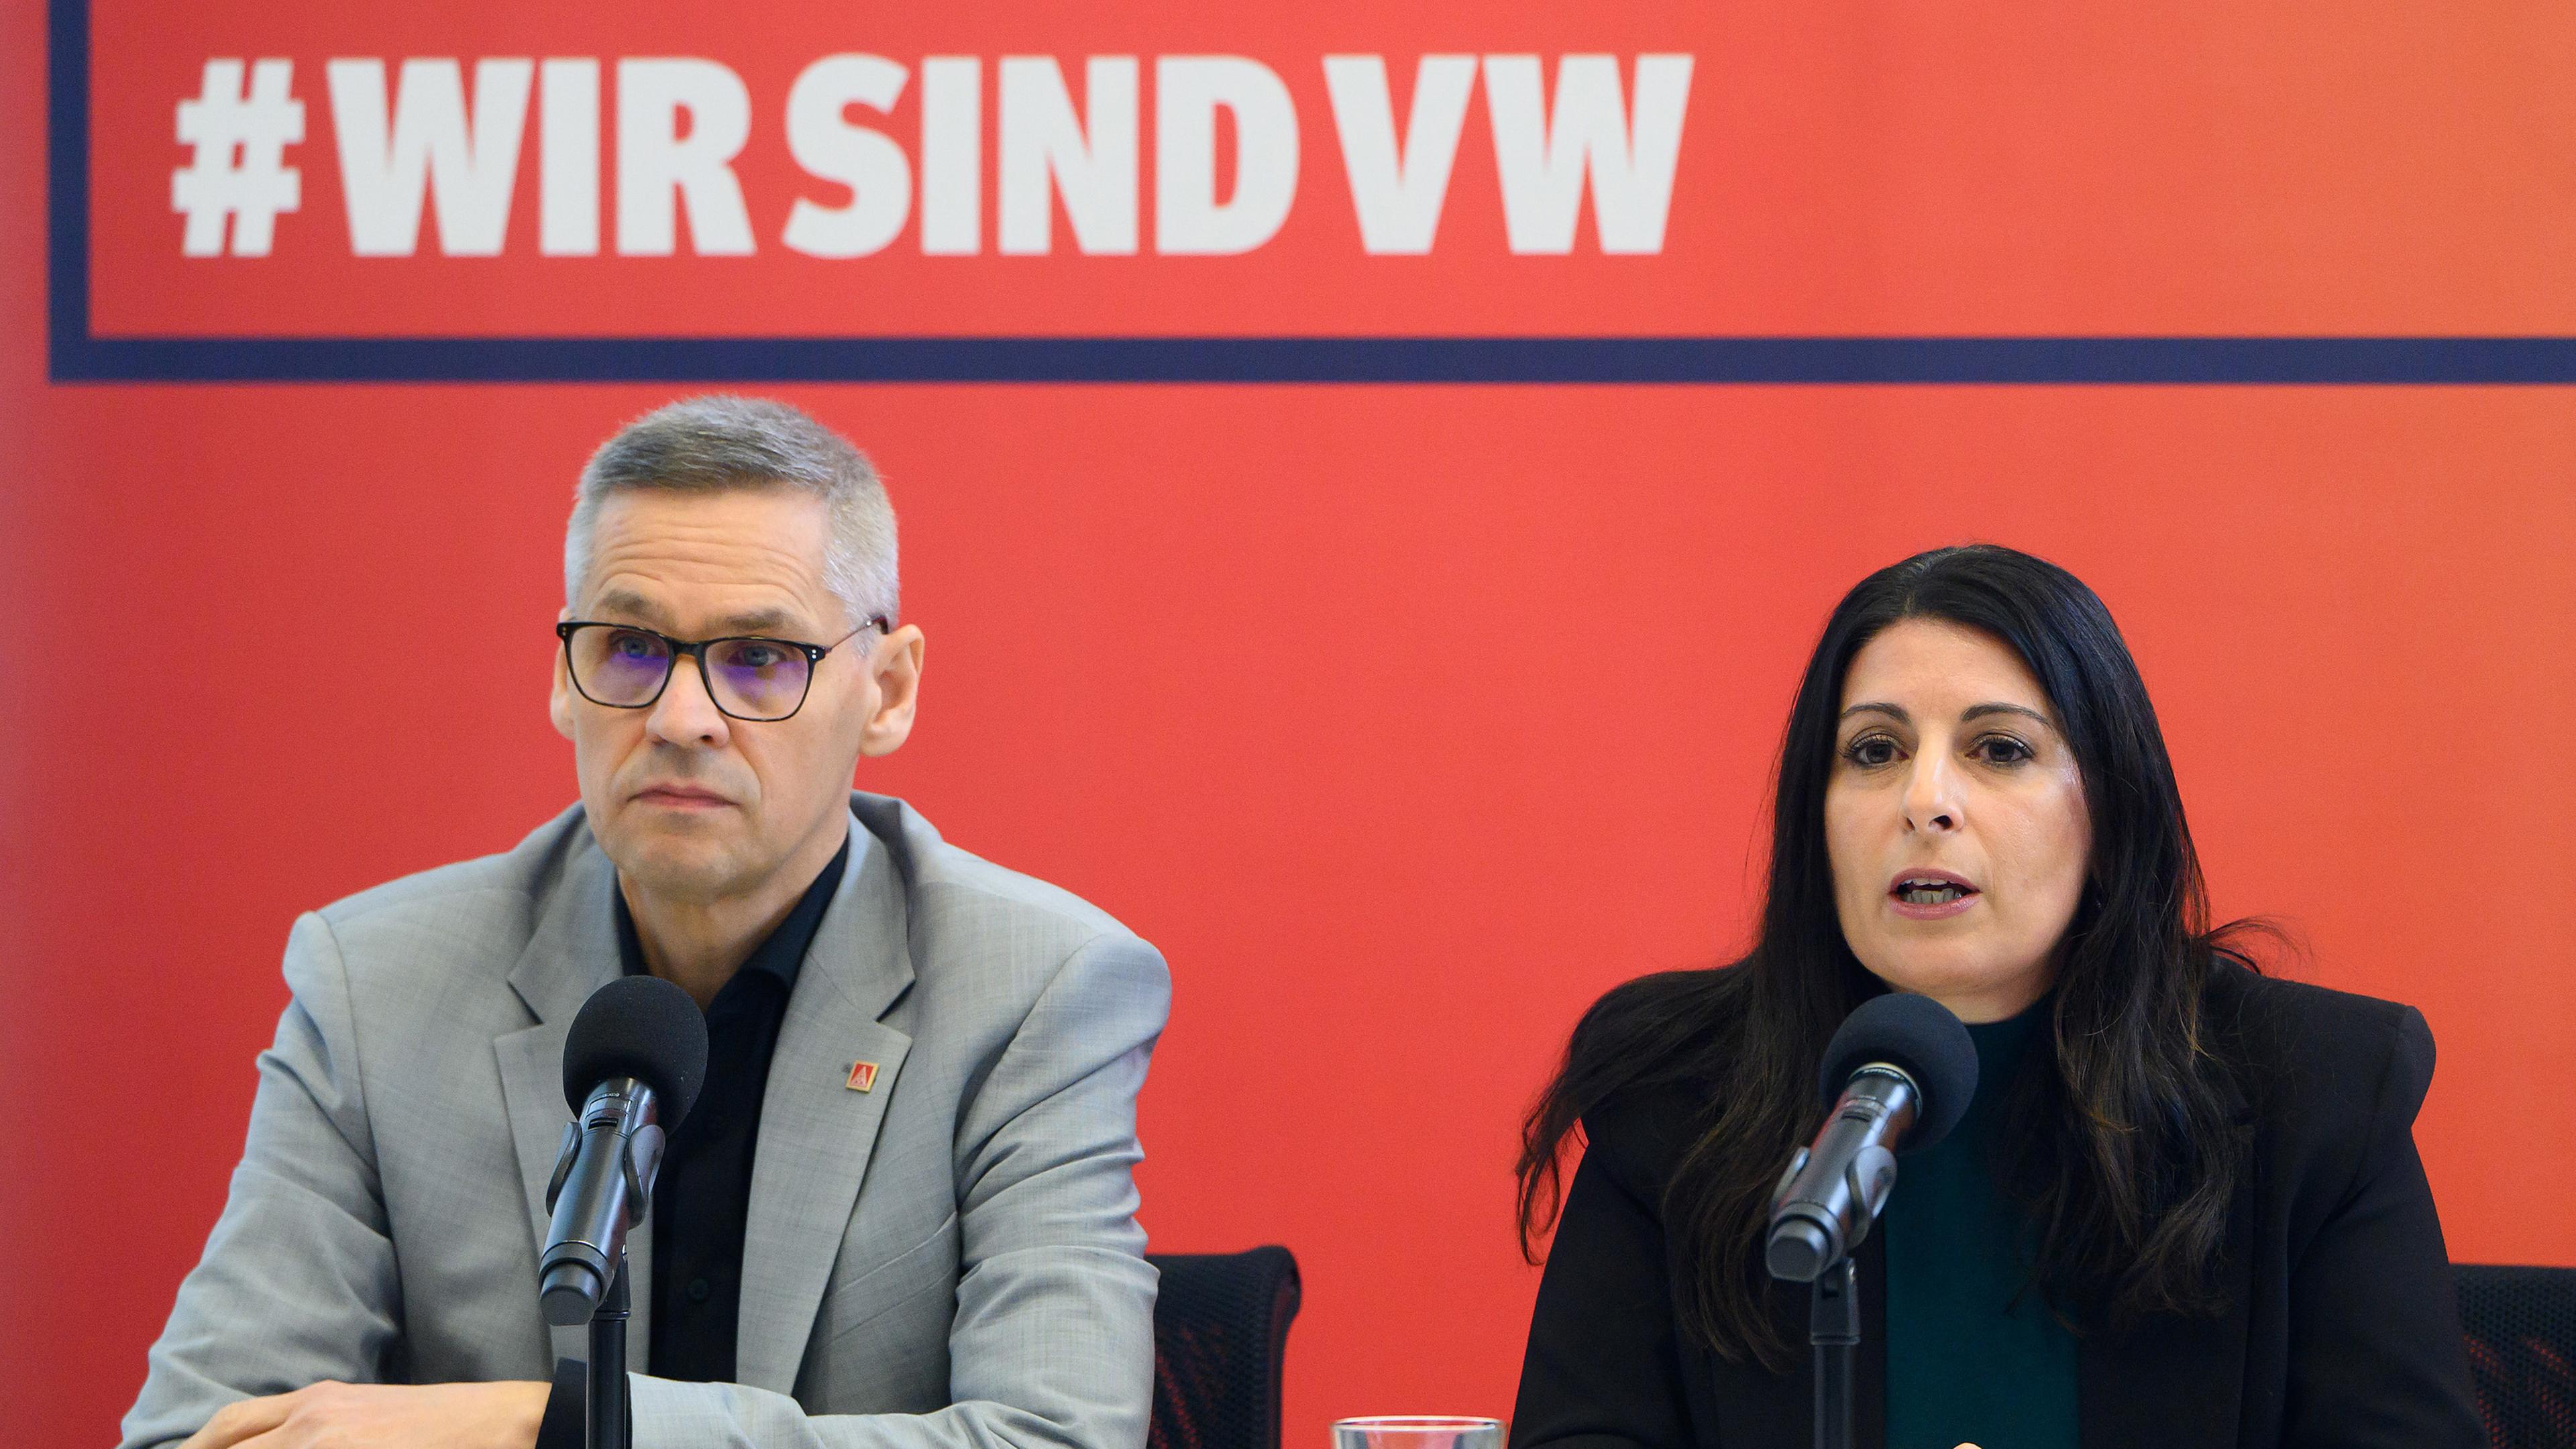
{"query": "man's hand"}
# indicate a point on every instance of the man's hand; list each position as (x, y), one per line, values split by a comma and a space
(381, 1416)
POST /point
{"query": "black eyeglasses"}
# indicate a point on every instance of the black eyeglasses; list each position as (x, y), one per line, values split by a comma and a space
(627, 666)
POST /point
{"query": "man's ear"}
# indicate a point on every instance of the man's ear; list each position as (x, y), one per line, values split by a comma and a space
(896, 662)
(559, 700)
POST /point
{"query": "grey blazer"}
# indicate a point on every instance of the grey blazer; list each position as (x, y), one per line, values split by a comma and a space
(947, 1260)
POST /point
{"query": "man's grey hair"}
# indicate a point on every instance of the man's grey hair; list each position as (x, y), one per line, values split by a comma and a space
(718, 442)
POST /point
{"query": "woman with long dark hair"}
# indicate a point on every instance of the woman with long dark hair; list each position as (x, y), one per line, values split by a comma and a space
(2185, 1207)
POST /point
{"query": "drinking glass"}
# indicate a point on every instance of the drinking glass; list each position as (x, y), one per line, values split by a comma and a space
(1418, 1431)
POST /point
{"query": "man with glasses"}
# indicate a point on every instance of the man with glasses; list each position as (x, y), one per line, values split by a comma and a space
(901, 1213)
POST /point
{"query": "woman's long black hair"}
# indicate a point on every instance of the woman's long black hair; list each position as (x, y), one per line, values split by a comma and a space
(2125, 1149)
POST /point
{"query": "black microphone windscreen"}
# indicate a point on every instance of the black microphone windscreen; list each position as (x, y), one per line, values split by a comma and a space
(642, 1027)
(1920, 1036)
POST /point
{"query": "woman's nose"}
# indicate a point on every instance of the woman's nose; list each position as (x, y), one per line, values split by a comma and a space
(1931, 794)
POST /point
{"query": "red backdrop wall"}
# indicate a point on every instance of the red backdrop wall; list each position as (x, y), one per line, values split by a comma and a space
(1404, 719)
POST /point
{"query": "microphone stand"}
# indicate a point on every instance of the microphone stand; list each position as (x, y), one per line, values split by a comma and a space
(626, 1192)
(608, 1409)
(1833, 1328)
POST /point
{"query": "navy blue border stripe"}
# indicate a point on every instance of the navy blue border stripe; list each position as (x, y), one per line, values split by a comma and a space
(74, 355)
(1999, 360)
(68, 344)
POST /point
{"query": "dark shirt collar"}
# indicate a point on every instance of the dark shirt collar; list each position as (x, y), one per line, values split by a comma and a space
(782, 954)
(2001, 1045)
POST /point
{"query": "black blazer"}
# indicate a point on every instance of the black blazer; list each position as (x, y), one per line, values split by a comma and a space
(2342, 1331)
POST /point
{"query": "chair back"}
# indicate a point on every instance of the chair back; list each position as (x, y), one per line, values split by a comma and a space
(1220, 1335)
(2521, 1328)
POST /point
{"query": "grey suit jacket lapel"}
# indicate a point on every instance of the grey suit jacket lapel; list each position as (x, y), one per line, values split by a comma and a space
(572, 953)
(816, 1130)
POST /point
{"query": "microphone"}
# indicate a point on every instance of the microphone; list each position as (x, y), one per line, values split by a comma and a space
(633, 1063)
(1900, 1070)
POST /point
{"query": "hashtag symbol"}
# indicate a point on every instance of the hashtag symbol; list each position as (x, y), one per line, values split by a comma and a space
(238, 168)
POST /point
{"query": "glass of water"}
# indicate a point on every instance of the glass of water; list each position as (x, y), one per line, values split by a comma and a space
(1418, 1431)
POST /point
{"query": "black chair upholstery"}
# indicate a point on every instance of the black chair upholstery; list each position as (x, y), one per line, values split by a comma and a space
(1220, 1335)
(2521, 1327)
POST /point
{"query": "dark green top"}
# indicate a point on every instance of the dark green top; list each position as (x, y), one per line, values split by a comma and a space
(1973, 1355)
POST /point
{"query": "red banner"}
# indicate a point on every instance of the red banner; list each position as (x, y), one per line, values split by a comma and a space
(556, 170)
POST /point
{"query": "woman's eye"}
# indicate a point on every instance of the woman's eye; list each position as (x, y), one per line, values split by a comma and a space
(1871, 750)
(2002, 750)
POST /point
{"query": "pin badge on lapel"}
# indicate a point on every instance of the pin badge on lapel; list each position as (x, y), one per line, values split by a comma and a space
(863, 1077)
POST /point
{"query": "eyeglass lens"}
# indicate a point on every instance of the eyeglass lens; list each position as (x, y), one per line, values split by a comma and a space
(750, 678)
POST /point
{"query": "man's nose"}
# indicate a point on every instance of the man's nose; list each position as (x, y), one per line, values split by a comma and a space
(1932, 793)
(686, 714)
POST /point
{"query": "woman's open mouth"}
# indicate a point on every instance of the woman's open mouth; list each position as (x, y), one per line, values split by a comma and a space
(1929, 894)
